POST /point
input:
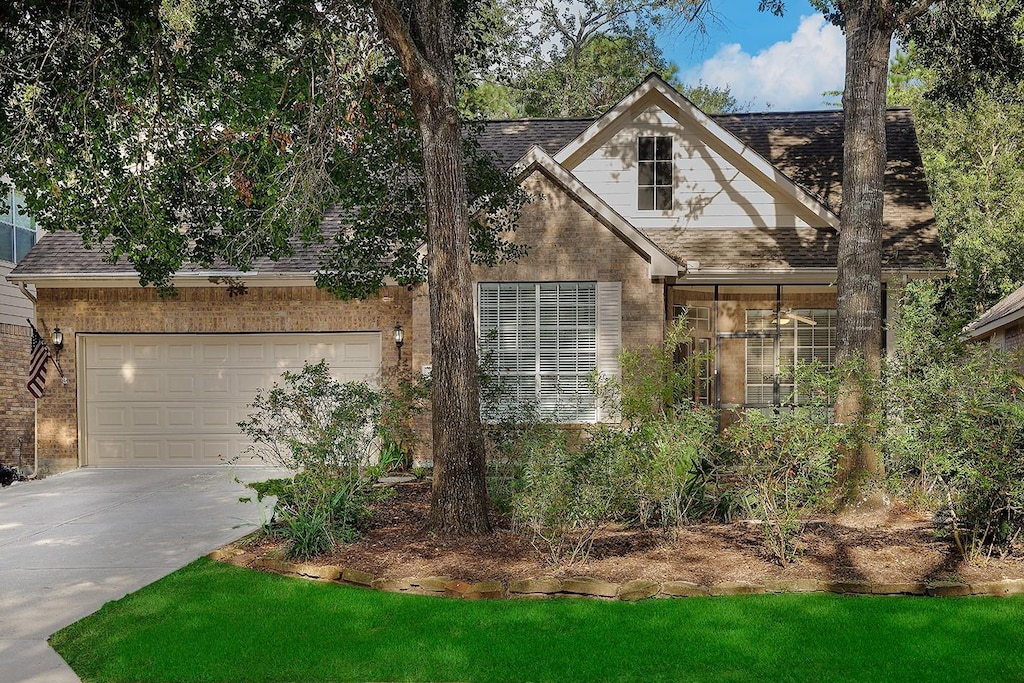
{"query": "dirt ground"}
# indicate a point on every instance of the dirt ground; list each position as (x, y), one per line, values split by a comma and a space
(892, 547)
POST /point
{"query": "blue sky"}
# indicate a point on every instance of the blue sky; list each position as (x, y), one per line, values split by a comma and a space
(777, 63)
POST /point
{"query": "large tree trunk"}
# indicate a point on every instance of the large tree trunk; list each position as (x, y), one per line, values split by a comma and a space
(869, 30)
(424, 42)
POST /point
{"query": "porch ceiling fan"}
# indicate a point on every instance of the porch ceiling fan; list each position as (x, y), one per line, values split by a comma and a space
(786, 315)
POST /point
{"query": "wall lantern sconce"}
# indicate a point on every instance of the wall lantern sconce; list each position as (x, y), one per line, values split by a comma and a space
(399, 340)
(58, 340)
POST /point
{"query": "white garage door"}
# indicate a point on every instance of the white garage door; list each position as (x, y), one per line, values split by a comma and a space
(175, 400)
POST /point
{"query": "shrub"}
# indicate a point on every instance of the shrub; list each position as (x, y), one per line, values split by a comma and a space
(561, 485)
(957, 438)
(955, 427)
(664, 435)
(561, 494)
(782, 465)
(325, 433)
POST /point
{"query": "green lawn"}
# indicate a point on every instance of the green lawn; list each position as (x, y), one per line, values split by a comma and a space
(215, 622)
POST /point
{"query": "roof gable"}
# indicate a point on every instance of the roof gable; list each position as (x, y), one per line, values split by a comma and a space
(719, 174)
(660, 263)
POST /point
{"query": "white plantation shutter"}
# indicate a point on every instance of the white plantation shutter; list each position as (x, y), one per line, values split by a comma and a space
(609, 331)
(799, 343)
(546, 340)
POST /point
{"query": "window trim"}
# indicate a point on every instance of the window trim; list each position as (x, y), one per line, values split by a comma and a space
(661, 189)
(602, 342)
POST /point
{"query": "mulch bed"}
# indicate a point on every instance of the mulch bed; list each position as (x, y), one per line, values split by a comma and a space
(893, 547)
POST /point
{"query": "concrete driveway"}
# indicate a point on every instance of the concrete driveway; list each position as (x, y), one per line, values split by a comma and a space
(72, 542)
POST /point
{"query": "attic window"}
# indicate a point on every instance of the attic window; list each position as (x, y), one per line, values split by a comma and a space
(654, 175)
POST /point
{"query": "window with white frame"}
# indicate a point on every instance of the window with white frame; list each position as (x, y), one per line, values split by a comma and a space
(545, 341)
(17, 228)
(654, 173)
(698, 322)
(805, 335)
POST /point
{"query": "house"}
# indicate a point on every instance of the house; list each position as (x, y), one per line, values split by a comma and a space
(1002, 325)
(17, 408)
(651, 211)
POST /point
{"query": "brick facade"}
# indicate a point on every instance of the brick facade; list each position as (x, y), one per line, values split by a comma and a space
(17, 407)
(566, 243)
(194, 310)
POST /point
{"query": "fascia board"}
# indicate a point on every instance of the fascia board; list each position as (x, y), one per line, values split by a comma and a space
(654, 88)
(660, 263)
(991, 326)
(197, 279)
(759, 276)
(995, 324)
(784, 275)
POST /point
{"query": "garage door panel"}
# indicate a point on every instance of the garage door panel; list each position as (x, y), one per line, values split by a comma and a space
(216, 385)
(146, 416)
(145, 385)
(181, 385)
(214, 353)
(182, 451)
(145, 450)
(145, 352)
(181, 352)
(287, 355)
(219, 417)
(248, 383)
(356, 353)
(176, 400)
(111, 417)
(108, 451)
(252, 353)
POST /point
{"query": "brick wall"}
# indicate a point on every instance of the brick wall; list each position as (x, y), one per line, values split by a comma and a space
(568, 244)
(194, 310)
(17, 426)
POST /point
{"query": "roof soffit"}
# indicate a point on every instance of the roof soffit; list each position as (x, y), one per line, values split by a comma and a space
(655, 92)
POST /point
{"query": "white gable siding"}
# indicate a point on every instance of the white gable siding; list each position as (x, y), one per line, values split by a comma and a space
(14, 306)
(712, 190)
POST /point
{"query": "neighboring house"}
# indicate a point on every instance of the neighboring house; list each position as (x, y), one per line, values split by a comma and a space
(651, 211)
(17, 235)
(1002, 325)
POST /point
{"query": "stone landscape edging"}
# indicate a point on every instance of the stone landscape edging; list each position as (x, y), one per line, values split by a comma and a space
(630, 591)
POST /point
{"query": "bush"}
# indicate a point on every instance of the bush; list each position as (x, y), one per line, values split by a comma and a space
(563, 494)
(955, 427)
(956, 441)
(664, 435)
(782, 465)
(561, 485)
(325, 432)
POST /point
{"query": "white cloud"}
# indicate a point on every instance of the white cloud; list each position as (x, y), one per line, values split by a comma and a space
(787, 76)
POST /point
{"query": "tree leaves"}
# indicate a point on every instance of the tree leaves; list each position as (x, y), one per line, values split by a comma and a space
(215, 132)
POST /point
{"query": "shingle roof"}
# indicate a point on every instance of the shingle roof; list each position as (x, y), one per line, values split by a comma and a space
(1007, 308)
(806, 146)
(62, 253)
(510, 140)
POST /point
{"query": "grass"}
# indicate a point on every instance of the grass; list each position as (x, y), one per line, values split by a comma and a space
(215, 622)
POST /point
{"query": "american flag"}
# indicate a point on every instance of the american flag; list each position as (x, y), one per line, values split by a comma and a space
(37, 366)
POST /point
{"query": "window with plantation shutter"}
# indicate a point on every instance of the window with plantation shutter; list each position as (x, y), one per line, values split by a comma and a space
(799, 343)
(544, 342)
